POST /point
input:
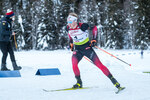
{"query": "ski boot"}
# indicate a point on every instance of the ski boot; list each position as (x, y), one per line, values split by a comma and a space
(78, 84)
(15, 66)
(114, 81)
(117, 85)
(4, 68)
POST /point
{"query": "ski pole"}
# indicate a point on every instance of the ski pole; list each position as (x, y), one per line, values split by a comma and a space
(15, 41)
(88, 60)
(112, 55)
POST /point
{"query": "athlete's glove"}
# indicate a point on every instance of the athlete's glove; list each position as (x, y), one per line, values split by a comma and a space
(71, 46)
(93, 43)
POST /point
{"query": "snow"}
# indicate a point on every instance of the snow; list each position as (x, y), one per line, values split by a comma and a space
(20, 21)
(99, 26)
(115, 23)
(131, 22)
(29, 86)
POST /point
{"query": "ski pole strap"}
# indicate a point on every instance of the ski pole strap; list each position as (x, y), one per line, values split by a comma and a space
(112, 55)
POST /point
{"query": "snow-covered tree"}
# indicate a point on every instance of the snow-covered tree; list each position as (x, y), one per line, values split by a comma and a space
(40, 24)
(142, 38)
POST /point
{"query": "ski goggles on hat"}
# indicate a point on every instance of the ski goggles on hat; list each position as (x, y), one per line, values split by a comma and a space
(70, 19)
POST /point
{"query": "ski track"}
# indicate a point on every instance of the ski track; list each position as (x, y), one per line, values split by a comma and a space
(30, 86)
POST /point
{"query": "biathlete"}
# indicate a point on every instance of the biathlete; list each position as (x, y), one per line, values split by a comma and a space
(80, 45)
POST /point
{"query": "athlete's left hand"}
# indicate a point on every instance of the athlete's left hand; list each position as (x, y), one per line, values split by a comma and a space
(71, 46)
(93, 43)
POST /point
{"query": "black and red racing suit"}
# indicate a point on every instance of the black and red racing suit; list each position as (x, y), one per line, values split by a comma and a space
(79, 37)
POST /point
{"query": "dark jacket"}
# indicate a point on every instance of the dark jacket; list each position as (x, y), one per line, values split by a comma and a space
(5, 29)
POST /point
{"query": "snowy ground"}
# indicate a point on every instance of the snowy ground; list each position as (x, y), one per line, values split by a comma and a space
(29, 86)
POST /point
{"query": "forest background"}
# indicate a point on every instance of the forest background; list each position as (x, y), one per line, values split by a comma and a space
(40, 24)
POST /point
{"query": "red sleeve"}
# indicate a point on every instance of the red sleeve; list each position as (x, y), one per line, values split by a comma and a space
(94, 31)
(70, 39)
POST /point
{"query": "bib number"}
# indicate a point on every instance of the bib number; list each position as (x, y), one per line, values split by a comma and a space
(76, 39)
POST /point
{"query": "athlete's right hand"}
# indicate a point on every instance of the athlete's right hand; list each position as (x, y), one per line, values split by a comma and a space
(71, 46)
(93, 43)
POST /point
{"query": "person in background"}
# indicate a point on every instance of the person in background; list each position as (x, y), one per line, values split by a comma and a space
(5, 42)
(81, 46)
(142, 53)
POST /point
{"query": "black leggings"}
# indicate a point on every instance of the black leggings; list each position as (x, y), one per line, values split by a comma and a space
(86, 50)
(6, 48)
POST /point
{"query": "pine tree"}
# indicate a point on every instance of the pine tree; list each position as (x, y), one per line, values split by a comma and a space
(142, 38)
(115, 35)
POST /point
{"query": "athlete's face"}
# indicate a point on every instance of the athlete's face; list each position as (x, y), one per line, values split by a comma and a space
(72, 24)
(72, 21)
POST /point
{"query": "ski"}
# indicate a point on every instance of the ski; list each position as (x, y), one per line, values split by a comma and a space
(120, 89)
(66, 89)
(146, 72)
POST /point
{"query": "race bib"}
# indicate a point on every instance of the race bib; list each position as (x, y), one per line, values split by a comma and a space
(79, 36)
